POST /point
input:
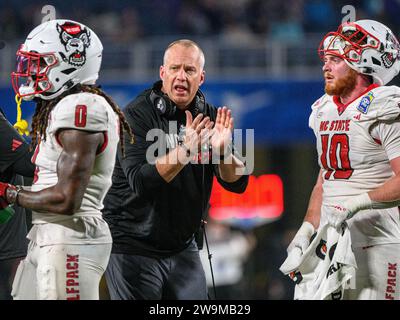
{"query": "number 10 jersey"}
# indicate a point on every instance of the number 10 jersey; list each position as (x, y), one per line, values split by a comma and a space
(355, 143)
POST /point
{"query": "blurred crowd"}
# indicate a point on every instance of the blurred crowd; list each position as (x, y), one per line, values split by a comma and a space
(243, 21)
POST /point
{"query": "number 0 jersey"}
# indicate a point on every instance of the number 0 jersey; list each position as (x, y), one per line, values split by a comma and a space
(81, 111)
(355, 143)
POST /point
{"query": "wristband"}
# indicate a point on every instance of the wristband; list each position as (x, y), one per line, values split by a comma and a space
(357, 203)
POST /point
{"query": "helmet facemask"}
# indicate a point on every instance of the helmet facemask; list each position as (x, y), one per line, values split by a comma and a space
(348, 42)
(31, 75)
(367, 46)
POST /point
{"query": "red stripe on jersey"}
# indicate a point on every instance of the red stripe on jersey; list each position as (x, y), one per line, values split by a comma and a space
(378, 141)
(104, 145)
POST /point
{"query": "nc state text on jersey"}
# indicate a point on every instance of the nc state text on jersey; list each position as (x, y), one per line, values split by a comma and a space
(335, 125)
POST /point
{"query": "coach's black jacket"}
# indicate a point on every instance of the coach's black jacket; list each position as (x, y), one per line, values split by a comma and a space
(14, 163)
(147, 215)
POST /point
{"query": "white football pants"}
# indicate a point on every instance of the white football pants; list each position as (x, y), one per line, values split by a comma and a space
(61, 272)
(377, 275)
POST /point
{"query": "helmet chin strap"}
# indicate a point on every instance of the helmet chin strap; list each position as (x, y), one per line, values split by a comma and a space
(68, 85)
(28, 92)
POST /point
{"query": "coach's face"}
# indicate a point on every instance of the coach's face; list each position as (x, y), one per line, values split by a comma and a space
(182, 74)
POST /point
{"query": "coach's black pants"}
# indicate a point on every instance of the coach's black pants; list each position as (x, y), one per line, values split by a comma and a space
(134, 277)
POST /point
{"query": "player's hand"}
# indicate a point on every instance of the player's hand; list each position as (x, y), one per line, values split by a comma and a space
(3, 190)
(339, 213)
(302, 238)
(221, 139)
(196, 131)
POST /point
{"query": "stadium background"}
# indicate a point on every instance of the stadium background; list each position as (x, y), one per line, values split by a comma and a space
(261, 60)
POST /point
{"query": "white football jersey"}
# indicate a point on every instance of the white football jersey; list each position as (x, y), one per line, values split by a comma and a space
(81, 111)
(355, 143)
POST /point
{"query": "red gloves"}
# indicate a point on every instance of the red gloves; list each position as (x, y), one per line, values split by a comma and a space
(3, 191)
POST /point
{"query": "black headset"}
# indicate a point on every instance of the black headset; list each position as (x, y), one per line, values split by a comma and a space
(167, 107)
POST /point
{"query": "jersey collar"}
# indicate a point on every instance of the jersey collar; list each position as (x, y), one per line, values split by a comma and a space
(342, 107)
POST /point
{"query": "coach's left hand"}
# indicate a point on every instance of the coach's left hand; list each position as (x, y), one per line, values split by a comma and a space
(221, 139)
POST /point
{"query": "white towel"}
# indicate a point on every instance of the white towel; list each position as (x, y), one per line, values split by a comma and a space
(325, 269)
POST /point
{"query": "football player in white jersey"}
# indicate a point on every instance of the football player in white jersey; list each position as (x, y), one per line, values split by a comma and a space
(357, 128)
(76, 128)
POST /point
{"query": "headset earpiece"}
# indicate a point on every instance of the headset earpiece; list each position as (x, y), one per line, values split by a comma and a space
(200, 102)
(162, 103)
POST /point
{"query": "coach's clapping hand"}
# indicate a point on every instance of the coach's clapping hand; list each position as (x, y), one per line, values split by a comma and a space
(221, 139)
(197, 130)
